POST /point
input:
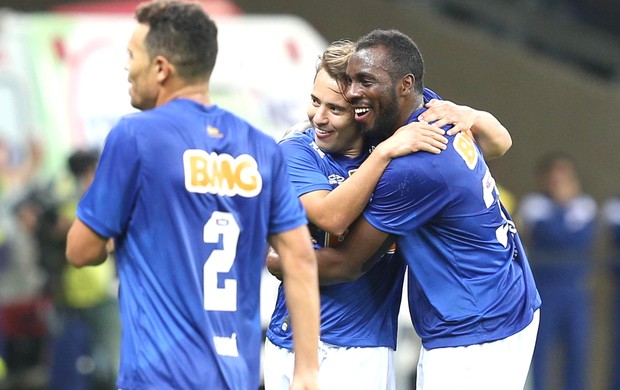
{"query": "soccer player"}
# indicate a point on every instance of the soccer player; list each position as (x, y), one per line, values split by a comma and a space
(190, 193)
(359, 319)
(472, 297)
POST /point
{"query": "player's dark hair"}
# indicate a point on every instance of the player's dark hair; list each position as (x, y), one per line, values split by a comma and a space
(183, 33)
(404, 55)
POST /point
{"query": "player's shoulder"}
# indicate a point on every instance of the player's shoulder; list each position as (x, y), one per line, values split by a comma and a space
(220, 118)
(299, 127)
(296, 141)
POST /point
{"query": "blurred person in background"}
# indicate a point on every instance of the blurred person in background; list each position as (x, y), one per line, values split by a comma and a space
(22, 302)
(558, 222)
(611, 221)
(85, 326)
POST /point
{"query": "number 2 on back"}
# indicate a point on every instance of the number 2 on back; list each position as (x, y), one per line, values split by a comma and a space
(220, 261)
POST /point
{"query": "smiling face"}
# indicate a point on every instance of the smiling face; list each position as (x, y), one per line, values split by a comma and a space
(142, 72)
(332, 118)
(372, 92)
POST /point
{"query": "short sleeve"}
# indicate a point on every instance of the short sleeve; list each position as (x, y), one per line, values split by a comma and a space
(107, 204)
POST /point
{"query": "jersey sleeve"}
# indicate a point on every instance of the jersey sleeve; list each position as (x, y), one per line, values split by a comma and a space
(106, 205)
(287, 211)
(303, 165)
(406, 196)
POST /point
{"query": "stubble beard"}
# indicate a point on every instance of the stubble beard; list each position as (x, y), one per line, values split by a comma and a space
(385, 123)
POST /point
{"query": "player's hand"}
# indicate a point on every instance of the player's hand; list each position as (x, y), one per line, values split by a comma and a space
(443, 112)
(414, 137)
(298, 127)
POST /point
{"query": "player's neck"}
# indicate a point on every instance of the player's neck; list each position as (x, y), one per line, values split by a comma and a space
(196, 92)
(355, 150)
(412, 105)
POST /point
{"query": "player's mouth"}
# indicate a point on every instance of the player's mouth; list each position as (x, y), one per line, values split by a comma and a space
(321, 133)
(361, 113)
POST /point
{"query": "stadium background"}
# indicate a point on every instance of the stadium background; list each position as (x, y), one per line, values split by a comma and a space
(553, 82)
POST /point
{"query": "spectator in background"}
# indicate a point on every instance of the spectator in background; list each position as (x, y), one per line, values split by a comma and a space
(22, 330)
(559, 226)
(86, 327)
(611, 219)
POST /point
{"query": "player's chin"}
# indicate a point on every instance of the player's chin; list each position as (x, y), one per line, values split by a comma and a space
(326, 145)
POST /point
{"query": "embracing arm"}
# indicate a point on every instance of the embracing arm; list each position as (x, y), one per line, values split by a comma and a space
(493, 138)
(302, 300)
(362, 248)
(333, 211)
(84, 246)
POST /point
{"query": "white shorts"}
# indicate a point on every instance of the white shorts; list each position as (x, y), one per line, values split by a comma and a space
(339, 367)
(501, 364)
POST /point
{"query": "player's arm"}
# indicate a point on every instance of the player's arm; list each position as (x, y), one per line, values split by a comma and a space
(493, 138)
(302, 299)
(333, 211)
(84, 246)
(334, 264)
(362, 248)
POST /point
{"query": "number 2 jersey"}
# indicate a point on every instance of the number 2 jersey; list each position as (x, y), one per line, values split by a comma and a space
(469, 280)
(190, 193)
(363, 313)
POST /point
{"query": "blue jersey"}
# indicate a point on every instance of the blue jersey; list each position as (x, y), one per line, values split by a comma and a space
(190, 194)
(469, 279)
(562, 237)
(363, 313)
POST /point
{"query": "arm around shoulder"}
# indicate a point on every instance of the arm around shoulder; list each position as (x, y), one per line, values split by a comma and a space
(361, 249)
(493, 138)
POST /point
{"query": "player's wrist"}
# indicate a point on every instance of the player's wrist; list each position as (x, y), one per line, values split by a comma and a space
(382, 153)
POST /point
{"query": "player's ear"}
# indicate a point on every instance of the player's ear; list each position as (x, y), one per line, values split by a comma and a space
(407, 83)
(163, 67)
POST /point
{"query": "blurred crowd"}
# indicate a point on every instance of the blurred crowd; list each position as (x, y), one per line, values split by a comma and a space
(59, 325)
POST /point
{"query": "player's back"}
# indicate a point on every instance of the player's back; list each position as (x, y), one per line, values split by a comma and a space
(191, 258)
(469, 278)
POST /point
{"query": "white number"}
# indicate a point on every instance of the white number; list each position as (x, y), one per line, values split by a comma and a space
(489, 189)
(220, 261)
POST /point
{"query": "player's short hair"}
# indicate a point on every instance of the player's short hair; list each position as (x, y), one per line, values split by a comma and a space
(182, 32)
(334, 61)
(404, 54)
(335, 58)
